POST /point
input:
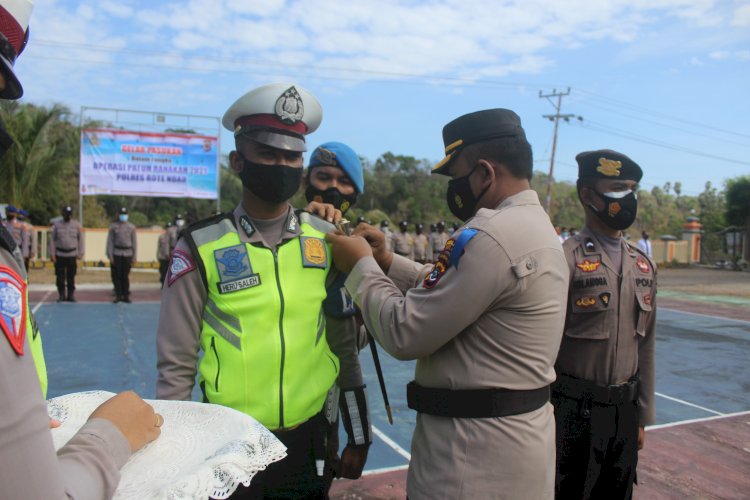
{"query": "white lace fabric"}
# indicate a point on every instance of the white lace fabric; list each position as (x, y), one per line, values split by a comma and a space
(204, 450)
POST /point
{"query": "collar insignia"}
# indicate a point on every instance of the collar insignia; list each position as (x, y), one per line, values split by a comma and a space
(610, 168)
(589, 245)
(291, 226)
(588, 266)
(289, 107)
(13, 308)
(247, 226)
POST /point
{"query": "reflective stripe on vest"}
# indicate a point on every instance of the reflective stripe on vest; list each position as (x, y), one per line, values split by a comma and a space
(263, 328)
(35, 342)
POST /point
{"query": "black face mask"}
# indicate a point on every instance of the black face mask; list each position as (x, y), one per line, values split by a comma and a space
(461, 201)
(271, 183)
(332, 196)
(619, 211)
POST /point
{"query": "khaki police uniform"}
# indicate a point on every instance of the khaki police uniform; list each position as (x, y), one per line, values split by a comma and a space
(66, 243)
(388, 236)
(488, 315)
(438, 243)
(20, 233)
(86, 467)
(421, 245)
(605, 367)
(122, 247)
(403, 244)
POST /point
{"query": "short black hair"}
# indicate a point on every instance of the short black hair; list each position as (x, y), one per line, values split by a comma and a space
(513, 152)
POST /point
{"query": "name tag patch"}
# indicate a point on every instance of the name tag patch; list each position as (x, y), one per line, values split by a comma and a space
(235, 271)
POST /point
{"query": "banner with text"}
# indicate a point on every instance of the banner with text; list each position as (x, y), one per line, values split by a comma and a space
(149, 164)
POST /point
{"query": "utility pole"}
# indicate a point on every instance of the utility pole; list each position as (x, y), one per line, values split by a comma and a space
(554, 118)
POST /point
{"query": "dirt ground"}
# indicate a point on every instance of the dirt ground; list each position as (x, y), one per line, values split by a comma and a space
(692, 280)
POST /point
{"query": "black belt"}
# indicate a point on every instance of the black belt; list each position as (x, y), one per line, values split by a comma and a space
(474, 403)
(58, 249)
(123, 248)
(575, 388)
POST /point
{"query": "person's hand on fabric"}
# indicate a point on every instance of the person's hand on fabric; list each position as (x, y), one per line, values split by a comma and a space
(641, 437)
(352, 461)
(347, 250)
(376, 239)
(134, 417)
(324, 211)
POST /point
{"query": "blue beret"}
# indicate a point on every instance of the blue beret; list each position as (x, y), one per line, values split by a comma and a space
(11, 209)
(336, 154)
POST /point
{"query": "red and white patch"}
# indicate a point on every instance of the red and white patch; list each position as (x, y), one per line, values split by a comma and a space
(13, 308)
(181, 264)
(642, 265)
(442, 265)
(647, 300)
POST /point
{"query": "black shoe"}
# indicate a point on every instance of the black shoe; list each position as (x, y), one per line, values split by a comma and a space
(71, 298)
(61, 298)
(117, 299)
(126, 299)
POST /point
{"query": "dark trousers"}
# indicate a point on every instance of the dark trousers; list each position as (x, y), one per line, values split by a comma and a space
(163, 267)
(121, 276)
(65, 274)
(295, 476)
(597, 448)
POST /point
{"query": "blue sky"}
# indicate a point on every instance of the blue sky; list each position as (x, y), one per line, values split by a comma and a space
(665, 81)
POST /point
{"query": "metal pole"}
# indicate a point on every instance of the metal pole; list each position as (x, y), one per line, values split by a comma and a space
(548, 200)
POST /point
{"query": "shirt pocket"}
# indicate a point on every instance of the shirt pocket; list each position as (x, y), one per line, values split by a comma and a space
(645, 307)
(589, 316)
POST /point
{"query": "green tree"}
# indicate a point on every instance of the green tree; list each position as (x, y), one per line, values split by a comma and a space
(738, 207)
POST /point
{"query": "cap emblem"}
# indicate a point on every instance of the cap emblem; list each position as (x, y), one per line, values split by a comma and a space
(610, 168)
(326, 157)
(289, 107)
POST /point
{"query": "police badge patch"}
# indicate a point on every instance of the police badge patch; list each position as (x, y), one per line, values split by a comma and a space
(179, 266)
(13, 308)
(314, 252)
(235, 272)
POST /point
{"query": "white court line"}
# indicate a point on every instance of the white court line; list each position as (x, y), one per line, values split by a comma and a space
(383, 470)
(36, 307)
(390, 442)
(687, 403)
(703, 315)
(697, 420)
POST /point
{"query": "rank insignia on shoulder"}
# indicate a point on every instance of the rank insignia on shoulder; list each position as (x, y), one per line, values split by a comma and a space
(314, 252)
(588, 266)
(642, 265)
(181, 264)
(13, 308)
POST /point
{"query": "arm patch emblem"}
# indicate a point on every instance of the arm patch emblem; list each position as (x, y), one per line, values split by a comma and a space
(13, 308)
(181, 264)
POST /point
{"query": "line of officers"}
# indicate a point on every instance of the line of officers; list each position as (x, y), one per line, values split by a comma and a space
(417, 246)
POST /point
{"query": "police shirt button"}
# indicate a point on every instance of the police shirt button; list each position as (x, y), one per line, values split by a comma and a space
(529, 265)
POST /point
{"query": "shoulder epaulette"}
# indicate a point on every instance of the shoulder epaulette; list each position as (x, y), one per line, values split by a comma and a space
(321, 225)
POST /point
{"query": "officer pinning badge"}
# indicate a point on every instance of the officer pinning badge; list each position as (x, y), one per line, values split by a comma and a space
(235, 272)
(604, 298)
(13, 308)
(181, 264)
(588, 266)
(642, 265)
(289, 107)
(314, 252)
(246, 225)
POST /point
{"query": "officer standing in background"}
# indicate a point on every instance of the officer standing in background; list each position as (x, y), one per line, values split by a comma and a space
(88, 465)
(387, 233)
(174, 231)
(421, 245)
(431, 238)
(438, 243)
(645, 244)
(255, 290)
(66, 246)
(16, 228)
(403, 241)
(163, 252)
(30, 251)
(604, 394)
(484, 324)
(122, 248)
(334, 176)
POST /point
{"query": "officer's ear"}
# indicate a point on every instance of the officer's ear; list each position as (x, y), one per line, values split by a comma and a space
(488, 172)
(235, 162)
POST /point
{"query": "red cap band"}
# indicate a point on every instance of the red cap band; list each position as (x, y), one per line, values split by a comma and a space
(11, 29)
(271, 121)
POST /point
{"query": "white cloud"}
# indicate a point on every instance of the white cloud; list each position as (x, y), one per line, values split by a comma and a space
(721, 54)
(741, 17)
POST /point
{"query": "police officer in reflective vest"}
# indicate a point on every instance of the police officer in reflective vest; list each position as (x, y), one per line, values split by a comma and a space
(254, 290)
(604, 393)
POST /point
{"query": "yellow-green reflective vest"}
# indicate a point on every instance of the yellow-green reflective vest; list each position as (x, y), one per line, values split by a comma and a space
(263, 331)
(35, 342)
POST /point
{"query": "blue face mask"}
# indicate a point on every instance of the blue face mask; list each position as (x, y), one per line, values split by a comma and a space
(123, 217)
